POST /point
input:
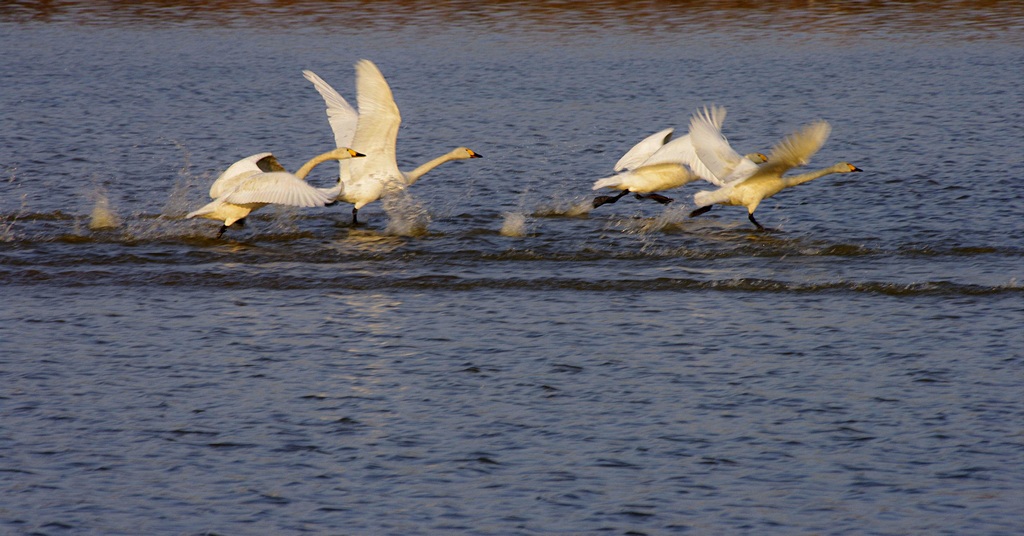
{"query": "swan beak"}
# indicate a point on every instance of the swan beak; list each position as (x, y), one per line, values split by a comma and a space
(474, 154)
(355, 154)
(855, 168)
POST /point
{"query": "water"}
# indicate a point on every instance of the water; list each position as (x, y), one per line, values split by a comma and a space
(488, 356)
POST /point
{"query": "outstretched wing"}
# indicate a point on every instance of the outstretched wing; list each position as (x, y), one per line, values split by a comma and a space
(278, 187)
(797, 148)
(640, 152)
(681, 151)
(377, 132)
(711, 147)
(340, 114)
(238, 171)
(726, 166)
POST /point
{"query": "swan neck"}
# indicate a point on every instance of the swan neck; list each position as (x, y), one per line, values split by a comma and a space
(414, 175)
(804, 177)
(312, 163)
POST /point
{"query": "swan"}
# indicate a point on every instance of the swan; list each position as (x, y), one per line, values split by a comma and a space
(259, 180)
(660, 163)
(742, 187)
(372, 130)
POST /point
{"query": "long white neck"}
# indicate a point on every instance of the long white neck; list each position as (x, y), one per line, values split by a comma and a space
(314, 162)
(810, 176)
(414, 175)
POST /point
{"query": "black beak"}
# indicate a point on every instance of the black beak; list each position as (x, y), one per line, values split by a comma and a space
(855, 168)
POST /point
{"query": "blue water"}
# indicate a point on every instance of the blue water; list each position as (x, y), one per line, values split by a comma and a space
(517, 364)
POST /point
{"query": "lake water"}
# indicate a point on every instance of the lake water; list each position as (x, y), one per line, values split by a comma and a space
(487, 356)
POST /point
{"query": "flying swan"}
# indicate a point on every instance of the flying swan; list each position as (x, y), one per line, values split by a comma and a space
(660, 163)
(259, 180)
(748, 187)
(372, 130)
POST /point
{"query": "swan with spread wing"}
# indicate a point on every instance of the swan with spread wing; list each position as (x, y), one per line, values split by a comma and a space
(259, 180)
(372, 130)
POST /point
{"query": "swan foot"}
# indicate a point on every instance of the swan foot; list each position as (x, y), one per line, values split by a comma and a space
(700, 211)
(602, 199)
(332, 203)
(750, 216)
(656, 197)
(355, 221)
(220, 233)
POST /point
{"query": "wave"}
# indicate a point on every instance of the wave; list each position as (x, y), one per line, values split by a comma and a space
(290, 249)
(288, 277)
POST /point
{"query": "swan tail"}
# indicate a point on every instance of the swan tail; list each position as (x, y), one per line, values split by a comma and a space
(707, 198)
(206, 209)
(608, 182)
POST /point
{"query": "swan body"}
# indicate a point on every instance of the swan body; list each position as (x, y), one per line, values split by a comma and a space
(372, 130)
(258, 180)
(748, 189)
(660, 163)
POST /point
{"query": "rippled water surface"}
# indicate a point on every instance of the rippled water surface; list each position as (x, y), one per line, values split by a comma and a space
(487, 355)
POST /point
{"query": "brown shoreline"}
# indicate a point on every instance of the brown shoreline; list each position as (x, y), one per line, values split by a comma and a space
(972, 16)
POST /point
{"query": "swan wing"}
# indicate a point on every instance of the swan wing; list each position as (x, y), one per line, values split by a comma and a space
(342, 117)
(238, 171)
(797, 148)
(377, 132)
(744, 169)
(681, 151)
(278, 187)
(711, 147)
(640, 152)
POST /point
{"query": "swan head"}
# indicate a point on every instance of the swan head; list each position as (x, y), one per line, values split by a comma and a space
(464, 152)
(846, 167)
(757, 158)
(342, 153)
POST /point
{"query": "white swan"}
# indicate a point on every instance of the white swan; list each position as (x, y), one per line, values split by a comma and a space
(259, 180)
(719, 163)
(660, 163)
(372, 130)
(748, 188)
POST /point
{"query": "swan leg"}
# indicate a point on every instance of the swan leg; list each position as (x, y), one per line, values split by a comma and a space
(602, 199)
(750, 216)
(656, 197)
(700, 211)
(221, 231)
(354, 220)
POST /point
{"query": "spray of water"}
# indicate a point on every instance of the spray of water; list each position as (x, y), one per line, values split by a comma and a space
(7, 222)
(102, 217)
(514, 224)
(407, 216)
(7, 233)
(567, 207)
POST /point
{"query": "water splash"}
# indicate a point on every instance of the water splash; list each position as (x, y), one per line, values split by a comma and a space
(514, 224)
(7, 233)
(407, 216)
(102, 217)
(567, 207)
(673, 218)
